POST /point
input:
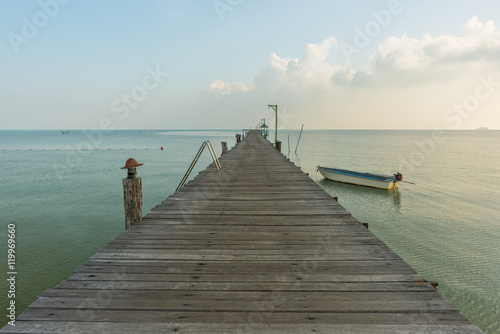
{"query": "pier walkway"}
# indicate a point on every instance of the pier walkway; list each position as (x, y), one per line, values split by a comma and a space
(258, 247)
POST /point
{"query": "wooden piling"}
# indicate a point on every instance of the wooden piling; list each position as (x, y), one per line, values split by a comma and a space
(224, 147)
(132, 198)
(132, 194)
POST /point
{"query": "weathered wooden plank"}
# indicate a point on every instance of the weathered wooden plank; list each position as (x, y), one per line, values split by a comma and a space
(230, 230)
(250, 327)
(262, 266)
(246, 212)
(245, 286)
(287, 277)
(248, 296)
(360, 252)
(201, 219)
(230, 268)
(255, 317)
(207, 256)
(221, 305)
(187, 244)
(167, 242)
(255, 232)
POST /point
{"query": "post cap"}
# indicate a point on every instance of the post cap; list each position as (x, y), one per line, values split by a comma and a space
(131, 163)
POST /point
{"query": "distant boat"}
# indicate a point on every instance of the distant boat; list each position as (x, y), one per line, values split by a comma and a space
(482, 128)
(362, 179)
(65, 132)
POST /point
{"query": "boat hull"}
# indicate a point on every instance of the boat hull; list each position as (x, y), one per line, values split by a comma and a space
(361, 179)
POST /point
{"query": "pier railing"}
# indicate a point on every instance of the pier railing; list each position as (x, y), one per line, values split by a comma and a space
(195, 160)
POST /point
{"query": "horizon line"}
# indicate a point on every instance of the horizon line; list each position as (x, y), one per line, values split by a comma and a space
(238, 129)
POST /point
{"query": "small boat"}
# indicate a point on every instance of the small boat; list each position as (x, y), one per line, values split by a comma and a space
(362, 179)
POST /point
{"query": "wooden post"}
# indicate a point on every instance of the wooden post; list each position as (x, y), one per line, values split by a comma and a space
(132, 194)
(224, 147)
(300, 135)
(278, 145)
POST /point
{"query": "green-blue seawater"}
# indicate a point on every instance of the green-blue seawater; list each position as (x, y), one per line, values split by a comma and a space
(64, 194)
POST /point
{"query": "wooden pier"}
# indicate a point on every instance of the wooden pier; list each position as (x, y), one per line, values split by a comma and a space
(256, 247)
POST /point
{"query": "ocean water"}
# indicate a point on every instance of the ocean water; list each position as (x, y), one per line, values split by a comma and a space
(63, 192)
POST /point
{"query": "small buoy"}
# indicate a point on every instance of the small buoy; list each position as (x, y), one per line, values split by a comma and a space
(161, 148)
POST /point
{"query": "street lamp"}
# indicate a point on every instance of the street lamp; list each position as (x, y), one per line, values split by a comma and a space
(275, 108)
(263, 128)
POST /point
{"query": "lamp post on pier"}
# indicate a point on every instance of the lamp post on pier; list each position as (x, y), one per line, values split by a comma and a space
(275, 108)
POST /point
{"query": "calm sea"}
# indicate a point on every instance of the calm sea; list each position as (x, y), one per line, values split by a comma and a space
(63, 192)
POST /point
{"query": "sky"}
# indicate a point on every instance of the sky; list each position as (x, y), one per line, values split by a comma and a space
(218, 64)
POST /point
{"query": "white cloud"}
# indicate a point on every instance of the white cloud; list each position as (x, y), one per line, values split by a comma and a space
(282, 64)
(311, 71)
(443, 57)
(219, 88)
(406, 83)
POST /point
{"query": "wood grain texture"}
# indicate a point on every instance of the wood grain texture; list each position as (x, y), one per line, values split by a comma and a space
(132, 200)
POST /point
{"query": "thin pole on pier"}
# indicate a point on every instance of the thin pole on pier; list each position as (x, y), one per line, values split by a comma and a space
(275, 108)
(288, 145)
(299, 138)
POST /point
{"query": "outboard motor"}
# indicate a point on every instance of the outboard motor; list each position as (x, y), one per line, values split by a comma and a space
(398, 176)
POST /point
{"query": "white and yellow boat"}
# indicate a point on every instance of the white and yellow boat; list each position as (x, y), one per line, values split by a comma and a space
(359, 178)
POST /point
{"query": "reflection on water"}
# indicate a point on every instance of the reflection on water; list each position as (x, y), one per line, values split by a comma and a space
(396, 197)
(391, 197)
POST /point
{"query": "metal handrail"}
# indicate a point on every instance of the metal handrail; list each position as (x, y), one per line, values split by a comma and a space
(195, 160)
